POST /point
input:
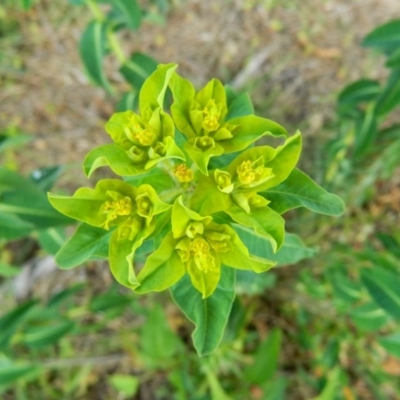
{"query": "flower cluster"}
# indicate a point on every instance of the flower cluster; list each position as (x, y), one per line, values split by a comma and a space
(189, 179)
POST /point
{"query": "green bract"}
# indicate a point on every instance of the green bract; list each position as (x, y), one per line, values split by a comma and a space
(195, 196)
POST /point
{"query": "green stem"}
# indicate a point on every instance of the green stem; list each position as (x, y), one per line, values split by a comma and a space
(96, 11)
(169, 196)
(116, 46)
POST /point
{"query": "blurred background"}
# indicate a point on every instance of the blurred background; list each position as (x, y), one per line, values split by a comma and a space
(324, 328)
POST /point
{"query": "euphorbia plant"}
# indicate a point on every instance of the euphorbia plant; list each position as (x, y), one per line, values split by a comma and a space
(194, 191)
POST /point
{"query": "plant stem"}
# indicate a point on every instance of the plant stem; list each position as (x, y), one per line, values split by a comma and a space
(96, 11)
(115, 46)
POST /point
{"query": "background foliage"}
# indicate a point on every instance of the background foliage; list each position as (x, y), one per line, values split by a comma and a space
(325, 328)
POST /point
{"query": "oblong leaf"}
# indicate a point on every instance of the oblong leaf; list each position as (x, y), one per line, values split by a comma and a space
(129, 12)
(87, 242)
(10, 373)
(13, 227)
(391, 344)
(47, 335)
(113, 156)
(21, 197)
(209, 315)
(292, 251)
(137, 69)
(299, 190)
(390, 97)
(384, 36)
(52, 239)
(383, 286)
(92, 50)
(362, 90)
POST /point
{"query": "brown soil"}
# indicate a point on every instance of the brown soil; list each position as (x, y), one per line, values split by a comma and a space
(293, 56)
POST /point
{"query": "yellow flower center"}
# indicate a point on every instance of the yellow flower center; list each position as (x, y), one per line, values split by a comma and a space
(200, 251)
(249, 172)
(115, 208)
(183, 173)
(212, 113)
(143, 135)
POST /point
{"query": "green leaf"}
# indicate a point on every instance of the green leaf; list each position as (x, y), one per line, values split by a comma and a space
(160, 179)
(390, 243)
(137, 69)
(331, 387)
(163, 268)
(239, 106)
(292, 251)
(266, 358)
(13, 227)
(366, 132)
(299, 190)
(394, 59)
(209, 315)
(128, 102)
(15, 141)
(44, 336)
(9, 373)
(45, 178)
(121, 256)
(249, 129)
(344, 288)
(391, 344)
(27, 4)
(384, 37)
(87, 242)
(154, 88)
(11, 321)
(8, 271)
(126, 385)
(92, 50)
(265, 221)
(113, 156)
(275, 389)
(158, 342)
(21, 197)
(390, 96)
(369, 317)
(383, 286)
(363, 90)
(249, 283)
(217, 391)
(129, 11)
(109, 301)
(52, 239)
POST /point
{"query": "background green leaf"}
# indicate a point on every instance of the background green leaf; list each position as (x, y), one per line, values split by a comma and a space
(137, 69)
(383, 286)
(390, 96)
(265, 362)
(129, 12)
(92, 48)
(385, 37)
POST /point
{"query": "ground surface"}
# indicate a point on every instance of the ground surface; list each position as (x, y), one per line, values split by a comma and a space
(293, 56)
